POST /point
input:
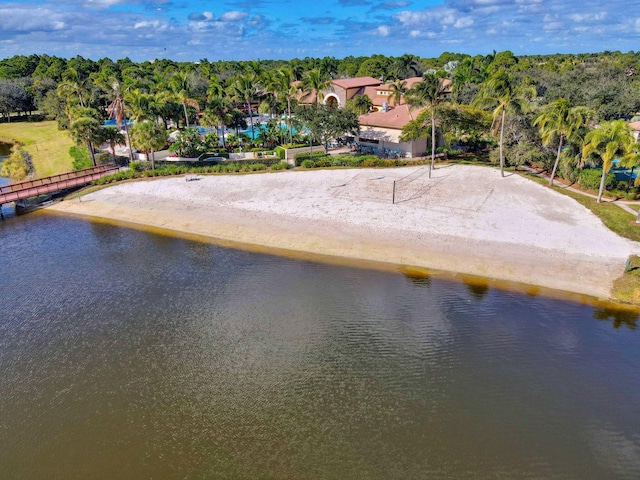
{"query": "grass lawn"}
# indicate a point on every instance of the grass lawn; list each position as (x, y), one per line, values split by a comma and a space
(48, 145)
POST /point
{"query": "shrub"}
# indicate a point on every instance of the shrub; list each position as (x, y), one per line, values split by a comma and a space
(589, 178)
(281, 153)
(315, 155)
(81, 158)
(103, 158)
(307, 164)
(18, 165)
(280, 166)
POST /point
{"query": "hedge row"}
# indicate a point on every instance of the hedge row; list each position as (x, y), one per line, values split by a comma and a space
(315, 155)
(170, 170)
(353, 161)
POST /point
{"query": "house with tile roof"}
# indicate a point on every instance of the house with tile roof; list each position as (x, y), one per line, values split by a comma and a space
(380, 129)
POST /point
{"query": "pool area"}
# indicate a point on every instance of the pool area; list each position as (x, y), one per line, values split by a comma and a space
(623, 174)
(112, 123)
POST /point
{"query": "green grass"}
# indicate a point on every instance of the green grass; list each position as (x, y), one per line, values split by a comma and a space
(627, 288)
(48, 145)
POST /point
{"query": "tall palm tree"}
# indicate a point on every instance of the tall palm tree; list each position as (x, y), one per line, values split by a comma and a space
(85, 129)
(559, 121)
(399, 89)
(218, 111)
(117, 110)
(113, 137)
(283, 83)
(245, 89)
(428, 93)
(314, 82)
(215, 89)
(610, 141)
(140, 105)
(502, 91)
(71, 85)
(180, 86)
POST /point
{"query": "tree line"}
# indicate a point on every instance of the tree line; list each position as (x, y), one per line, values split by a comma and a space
(539, 108)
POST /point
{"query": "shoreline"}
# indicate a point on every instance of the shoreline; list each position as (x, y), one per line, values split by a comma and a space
(506, 230)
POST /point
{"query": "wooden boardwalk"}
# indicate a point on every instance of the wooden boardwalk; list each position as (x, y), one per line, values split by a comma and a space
(54, 183)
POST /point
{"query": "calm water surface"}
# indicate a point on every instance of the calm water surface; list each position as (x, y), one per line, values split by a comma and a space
(129, 355)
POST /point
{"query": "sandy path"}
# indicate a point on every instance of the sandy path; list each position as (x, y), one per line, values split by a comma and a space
(464, 219)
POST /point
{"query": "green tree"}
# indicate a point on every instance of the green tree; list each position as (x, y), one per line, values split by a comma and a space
(284, 85)
(502, 91)
(428, 93)
(558, 121)
(85, 128)
(326, 123)
(399, 89)
(360, 104)
(314, 83)
(611, 140)
(149, 137)
(118, 112)
(113, 137)
(180, 86)
(245, 89)
(72, 85)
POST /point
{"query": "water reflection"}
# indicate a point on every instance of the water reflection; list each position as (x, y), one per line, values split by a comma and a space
(628, 318)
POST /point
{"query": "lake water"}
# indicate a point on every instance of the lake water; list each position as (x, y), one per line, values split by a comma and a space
(129, 355)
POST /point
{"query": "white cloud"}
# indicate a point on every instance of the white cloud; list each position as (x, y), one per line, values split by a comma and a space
(29, 20)
(383, 31)
(233, 16)
(463, 22)
(588, 17)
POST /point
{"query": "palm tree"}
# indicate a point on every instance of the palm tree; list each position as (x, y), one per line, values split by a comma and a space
(113, 137)
(85, 129)
(314, 82)
(502, 90)
(148, 137)
(140, 105)
(361, 104)
(610, 141)
(218, 111)
(428, 93)
(117, 110)
(180, 86)
(215, 89)
(283, 83)
(72, 85)
(399, 89)
(559, 121)
(244, 88)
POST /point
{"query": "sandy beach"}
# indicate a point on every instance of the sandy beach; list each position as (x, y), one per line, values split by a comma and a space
(465, 219)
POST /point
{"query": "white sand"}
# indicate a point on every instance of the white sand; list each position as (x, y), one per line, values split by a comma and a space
(464, 219)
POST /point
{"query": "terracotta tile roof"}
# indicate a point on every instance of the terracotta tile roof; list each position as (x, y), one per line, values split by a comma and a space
(357, 82)
(635, 126)
(395, 118)
(378, 99)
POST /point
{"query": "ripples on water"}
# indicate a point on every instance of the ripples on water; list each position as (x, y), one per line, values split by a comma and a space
(130, 355)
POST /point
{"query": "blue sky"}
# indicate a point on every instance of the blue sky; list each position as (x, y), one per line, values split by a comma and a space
(190, 30)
